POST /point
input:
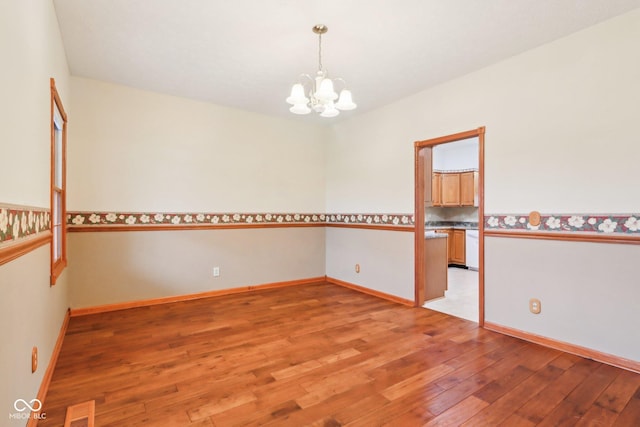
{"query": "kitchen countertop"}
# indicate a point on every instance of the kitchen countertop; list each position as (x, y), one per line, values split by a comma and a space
(433, 235)
(456, 225)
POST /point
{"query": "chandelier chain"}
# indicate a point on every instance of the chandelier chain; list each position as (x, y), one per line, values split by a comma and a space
(319, 52)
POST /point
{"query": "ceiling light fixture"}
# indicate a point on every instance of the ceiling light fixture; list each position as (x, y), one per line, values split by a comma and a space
(321, 95)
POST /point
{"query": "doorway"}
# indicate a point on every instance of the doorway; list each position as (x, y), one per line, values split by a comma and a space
(435, 219)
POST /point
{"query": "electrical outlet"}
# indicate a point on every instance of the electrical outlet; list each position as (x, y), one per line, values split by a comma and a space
(357, 268)
(535, 306)
(34, 359)
(216, 271)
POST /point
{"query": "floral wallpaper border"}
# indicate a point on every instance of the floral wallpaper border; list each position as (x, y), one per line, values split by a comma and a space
(572, 223)
(97, 219)
(579, 223)
(406, 220)
(19, 222)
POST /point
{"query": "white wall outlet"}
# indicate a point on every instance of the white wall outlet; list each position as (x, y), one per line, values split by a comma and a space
(535, 306)
(216, 271)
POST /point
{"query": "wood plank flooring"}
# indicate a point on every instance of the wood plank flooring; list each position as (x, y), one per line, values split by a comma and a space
(323, 355)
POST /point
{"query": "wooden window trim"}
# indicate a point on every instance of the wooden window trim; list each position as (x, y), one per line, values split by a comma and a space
(58, 265)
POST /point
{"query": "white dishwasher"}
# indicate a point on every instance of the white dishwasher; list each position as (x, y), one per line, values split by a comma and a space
(471, 252)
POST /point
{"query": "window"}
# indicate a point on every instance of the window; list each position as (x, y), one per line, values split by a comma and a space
(58, 185)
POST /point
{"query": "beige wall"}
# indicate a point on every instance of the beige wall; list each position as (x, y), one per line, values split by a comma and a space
(385, 258)
(128, 266)
(31, 312)
(32, 52)
(134, 150)
(560, 120)
(560, 138)
(588, 291)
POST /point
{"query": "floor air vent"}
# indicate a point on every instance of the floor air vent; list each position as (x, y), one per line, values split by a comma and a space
(81, 415)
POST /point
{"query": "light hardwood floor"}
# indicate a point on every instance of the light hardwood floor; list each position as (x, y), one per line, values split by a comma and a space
(323, 355)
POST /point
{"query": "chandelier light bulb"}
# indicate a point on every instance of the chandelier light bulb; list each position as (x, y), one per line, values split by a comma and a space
(300, 109)
(297, 95)
(345, 103)
(326, 92)
(329, 110)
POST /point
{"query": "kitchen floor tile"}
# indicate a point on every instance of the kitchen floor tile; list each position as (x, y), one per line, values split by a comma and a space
(461, 297)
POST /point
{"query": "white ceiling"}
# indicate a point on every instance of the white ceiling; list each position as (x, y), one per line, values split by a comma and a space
(247, 53)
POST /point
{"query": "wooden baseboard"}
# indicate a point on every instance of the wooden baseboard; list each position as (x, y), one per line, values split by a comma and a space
(368, 291)
(620, 362)
(166, 300)
(46, 379)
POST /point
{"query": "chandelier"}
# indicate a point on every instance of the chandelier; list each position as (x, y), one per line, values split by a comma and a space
(317, 93)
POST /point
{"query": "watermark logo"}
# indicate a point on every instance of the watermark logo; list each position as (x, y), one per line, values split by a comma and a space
(25, 409)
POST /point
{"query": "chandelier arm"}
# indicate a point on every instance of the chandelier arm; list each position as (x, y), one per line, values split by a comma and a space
(341, 80)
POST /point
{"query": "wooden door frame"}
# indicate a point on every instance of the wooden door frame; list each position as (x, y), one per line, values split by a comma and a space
(419, 211)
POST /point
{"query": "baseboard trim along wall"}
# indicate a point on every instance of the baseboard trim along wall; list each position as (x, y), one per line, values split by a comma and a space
(372, 292)
(188, 297)
(46, 379)
(609, 359)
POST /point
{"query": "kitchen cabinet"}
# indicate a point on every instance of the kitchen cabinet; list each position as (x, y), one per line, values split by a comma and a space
(451, 189)
(449, 233)
(469, 188)
(435, 264)
(458, 245)
(455, 245)
(436, 186)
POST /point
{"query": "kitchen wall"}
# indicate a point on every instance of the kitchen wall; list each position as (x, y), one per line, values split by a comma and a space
(138, 151)
(457, 155)
(560, 138)
(31, 312)
(465, 214)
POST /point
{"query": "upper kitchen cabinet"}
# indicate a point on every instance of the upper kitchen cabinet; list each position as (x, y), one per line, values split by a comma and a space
(469, 188)
(454, 178)
(452, 189)
(436, 188)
